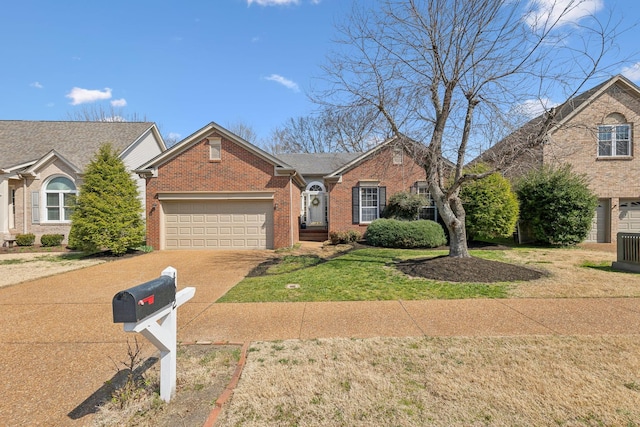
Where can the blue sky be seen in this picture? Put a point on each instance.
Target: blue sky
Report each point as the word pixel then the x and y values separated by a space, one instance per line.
pixel 181 64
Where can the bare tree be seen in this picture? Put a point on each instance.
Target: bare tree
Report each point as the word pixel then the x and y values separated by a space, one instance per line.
pixel 244 131
pixel 450 72
pixel 330 130
pixel 97 113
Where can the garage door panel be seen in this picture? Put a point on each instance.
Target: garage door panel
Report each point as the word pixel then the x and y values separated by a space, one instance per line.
pixel 218 225
pixel 629 216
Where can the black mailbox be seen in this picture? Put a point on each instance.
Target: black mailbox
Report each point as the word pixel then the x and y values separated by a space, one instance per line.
pixel 134 304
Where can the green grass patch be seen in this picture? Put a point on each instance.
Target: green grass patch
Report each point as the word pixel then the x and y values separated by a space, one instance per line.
pixel 359 275
pixel 598 265
pixel 12 261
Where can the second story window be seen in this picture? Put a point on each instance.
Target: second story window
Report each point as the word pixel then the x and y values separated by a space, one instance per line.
pixel 614 140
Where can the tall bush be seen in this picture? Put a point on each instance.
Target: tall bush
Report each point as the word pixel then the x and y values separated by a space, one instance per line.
pixel 108 212
pixel 557 204
pixel 491 206
pixel 404 206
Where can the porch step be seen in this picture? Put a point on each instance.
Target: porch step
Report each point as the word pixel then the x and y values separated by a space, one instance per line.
pixel 311 235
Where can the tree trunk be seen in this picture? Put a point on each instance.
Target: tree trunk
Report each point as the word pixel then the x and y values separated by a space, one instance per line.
pixel 458 241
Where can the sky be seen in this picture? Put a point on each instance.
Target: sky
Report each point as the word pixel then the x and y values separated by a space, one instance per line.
pixel 184 64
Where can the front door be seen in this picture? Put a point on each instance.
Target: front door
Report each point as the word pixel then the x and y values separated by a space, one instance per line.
pixel 315 204
pixel 316 209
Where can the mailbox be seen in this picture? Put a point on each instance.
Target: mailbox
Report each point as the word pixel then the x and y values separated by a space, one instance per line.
pixel 134 304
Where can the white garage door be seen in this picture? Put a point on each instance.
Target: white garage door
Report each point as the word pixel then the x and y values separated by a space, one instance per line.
pixel 629 216
pixel 598 226
pixel 218 224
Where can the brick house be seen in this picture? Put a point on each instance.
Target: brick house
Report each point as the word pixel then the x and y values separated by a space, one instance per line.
pixel 214 190
pixel 594 132
pixel 42 162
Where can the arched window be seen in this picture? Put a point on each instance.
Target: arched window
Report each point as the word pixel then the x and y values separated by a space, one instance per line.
pixel 59 192
pixel 315 186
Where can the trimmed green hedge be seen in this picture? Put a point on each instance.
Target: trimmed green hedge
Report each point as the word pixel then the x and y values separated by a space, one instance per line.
pixel 25 239
pixel 49 240
pixel 392 233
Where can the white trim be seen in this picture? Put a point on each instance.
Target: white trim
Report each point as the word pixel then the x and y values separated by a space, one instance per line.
pixel 44 212
pixel 218 195
pixel 319 183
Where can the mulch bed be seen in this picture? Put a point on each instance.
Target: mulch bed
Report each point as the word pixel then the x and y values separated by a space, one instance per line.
pixel 475 270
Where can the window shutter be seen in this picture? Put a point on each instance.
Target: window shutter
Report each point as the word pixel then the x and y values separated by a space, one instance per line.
pixel 35 207
pixel 355 205
pixel 382 200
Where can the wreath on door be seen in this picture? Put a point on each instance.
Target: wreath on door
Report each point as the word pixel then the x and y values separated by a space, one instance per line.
pixel 315 201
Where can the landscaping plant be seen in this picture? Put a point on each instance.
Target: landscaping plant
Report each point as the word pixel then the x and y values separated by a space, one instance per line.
pixel 27 239
pixel 404 206
pixel 392 233
pixel 50 240
pixel 108 213
pixel 557 204
pixel 490 204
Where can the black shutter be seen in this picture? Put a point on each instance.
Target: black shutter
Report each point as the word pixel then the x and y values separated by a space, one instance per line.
pixel 382 199
pixel 355 205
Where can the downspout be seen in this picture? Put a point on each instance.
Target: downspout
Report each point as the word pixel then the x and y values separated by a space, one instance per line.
pixel 291 231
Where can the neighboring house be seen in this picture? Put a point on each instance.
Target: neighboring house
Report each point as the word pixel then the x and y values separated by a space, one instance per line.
pixel 41 166
pixel 594 132
pixel 214 190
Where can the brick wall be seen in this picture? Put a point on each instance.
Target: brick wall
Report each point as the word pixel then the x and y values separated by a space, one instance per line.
pixel 577 143
pixel 379 166
pixel 238 170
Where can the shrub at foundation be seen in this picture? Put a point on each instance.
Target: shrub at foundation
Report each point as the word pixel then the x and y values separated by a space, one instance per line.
pixel 25 239
pixel 50 240
pixel 343 237
pixel 392 233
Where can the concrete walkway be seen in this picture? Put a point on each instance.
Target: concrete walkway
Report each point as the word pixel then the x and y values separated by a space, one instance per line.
pixel 58 344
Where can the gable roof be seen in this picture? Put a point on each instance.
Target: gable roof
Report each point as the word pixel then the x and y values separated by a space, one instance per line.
pixel 280 167
pixel 573 106
pixel 525 135
pixel 23 143
pixel 318 163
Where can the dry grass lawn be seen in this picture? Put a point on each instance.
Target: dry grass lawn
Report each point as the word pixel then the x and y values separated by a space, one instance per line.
pixel 568 279
pixel 530 381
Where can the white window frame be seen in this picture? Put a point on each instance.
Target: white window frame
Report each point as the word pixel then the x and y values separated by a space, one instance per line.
pixel 62 208
pixel 375 200
pixel 614 143
pixel 423 189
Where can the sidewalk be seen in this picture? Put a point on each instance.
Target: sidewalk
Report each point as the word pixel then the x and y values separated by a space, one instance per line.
pixel 480 317
pixel 59 342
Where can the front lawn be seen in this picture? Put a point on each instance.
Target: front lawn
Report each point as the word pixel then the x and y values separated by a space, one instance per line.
pixel 359 275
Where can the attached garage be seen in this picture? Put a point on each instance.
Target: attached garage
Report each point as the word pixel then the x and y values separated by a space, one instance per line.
pixel 629 216
pixel 218 224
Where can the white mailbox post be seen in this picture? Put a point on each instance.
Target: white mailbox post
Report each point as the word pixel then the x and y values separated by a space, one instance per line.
pixel 159 327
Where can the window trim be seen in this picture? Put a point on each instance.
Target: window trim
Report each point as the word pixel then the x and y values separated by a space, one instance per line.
pixel 614 141
pixel 44 206
pixel 376 203
pixel 215 149
pixel 356 201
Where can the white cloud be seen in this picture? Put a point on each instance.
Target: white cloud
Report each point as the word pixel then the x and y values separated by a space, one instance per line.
pixel 546 12
pixel 174 136
pixel 37 85
pixel 284 82
pixel 272 2
pixel 632 72
pixel 119 102
pixel 534 107
pixel 84 96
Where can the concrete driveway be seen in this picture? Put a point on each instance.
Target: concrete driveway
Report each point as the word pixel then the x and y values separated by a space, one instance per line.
pixel 58 343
